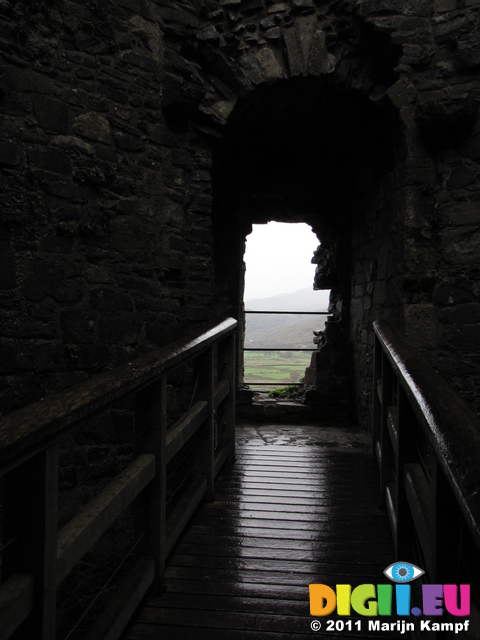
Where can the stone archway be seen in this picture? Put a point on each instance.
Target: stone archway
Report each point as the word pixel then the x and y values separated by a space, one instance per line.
pixel 309 150
pixel 225 50
pixel 295 100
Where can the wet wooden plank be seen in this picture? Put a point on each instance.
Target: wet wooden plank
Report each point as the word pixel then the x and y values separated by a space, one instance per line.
pixel 252 460
pixel 217 525
pixel 323 564
pixel 368 548
pixel 285 515
pixel 291 492
pixel 230 603
pixel 273 496
pixel 281 552
pixel 312 534
pixel 221 507
pixel 236 589
pixel 292 481
pixel 327 574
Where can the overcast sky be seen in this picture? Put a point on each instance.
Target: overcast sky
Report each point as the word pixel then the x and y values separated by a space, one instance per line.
pixel 278 259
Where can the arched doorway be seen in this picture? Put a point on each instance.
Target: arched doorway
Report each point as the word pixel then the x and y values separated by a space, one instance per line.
pixel 310 150
pixel 284 316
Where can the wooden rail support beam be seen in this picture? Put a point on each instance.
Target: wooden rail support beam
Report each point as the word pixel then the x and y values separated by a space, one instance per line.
pixel 31 514
pixel 152 438
pixel 206 391
pixel 227 372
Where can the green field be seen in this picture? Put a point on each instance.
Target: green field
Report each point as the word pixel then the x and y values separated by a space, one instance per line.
pixel 274 368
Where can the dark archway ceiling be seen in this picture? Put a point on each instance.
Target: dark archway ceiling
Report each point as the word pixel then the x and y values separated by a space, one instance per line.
pixel 306 143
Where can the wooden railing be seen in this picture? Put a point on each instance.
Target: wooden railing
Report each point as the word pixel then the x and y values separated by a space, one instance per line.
pixel 427 444
pixel 38 556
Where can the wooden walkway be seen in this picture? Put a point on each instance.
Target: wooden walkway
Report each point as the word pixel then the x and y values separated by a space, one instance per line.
pixel 298 507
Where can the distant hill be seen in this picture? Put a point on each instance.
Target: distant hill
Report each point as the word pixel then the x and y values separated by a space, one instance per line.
pixel 304 300
pixel 288 331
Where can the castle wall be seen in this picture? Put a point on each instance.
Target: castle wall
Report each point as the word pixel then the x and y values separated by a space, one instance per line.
pixel 116 225
pixel 105 227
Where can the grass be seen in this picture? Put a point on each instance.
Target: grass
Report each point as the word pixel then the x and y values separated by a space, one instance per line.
pixel 275 367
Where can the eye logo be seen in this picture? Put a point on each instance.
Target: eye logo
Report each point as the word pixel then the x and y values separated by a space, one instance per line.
pixel 402 572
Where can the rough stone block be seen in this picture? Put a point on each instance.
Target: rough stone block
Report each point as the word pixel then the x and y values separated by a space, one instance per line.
pixel 458 294
pixel 306 27
pixel 119 328
pixel 8 276
pixel 9 153
pixel 93 126
pixel 110 300
pixel 465 213
pixel 146 63
pixel 468 313
pixel 74 144
pixel 147 286
pixel 402 93
pixel 279 7
pixel 180 98
pixel 128 142
pixel 294 51
pixel 52 160
pixel 417 54
pixel 318 55
pixel 450 113
pixel 421 325
pixel 465 338
pixel 47 279
pixel 421 8
pixel 18 79
pixel 269 64
pixel 461 246
pixel 57 244
pixel 302 4
pixel 273 34
pixel 52 115
pixel 251 68
pixel 93 356
pixel 460 177
pixel 445 5
pixel 8 361
pixel 163 330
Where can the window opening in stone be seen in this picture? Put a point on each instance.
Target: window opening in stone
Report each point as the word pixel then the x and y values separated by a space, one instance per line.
pixel 279 278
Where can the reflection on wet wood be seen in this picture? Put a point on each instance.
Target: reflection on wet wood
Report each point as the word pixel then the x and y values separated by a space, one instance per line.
pixel 287 514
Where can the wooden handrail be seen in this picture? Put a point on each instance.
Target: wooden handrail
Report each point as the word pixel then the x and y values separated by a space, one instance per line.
pixel 24 432
pixel 29 465
pixel 453 430
pixel 427 444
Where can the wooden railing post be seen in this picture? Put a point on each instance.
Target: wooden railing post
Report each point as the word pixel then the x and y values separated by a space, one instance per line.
pixel 152 432
pixel 205 391
pixel 402 456
pixel 230 373
pixel 30 531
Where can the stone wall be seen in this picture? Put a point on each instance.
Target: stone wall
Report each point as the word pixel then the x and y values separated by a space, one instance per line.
pixel 141 139
pixel 436 96
pixel 105 228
